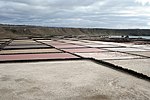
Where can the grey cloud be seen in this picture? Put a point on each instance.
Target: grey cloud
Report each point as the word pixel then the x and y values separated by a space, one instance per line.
pixel 76 13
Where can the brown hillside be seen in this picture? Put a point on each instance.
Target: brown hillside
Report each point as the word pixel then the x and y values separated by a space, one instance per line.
pixel 11 31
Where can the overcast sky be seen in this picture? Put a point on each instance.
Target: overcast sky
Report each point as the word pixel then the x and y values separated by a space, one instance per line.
pixel 77 13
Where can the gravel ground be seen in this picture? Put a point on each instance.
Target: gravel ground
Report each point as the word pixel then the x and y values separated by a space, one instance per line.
pixel 68 80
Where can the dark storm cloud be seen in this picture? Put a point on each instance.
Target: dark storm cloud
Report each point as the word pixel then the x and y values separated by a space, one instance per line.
pixel 77 13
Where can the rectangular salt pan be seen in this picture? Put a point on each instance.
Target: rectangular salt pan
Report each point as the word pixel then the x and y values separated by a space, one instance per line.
pixel 142 53
pixel 4 40
pixel 76 42
pixel 26 40
pixel 29 51
pixel 125 49
pixel 137 65
pixel 68 46
pixel 84 50
pixel 23 41
pixel 35 43
pixel 101 45
pixel 36 56
pixel 146 47
pixel 26 46
pixel 45 40
pixel 55 43
pixel 107 55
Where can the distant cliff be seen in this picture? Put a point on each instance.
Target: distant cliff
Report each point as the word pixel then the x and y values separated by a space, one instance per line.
pixel 11 31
